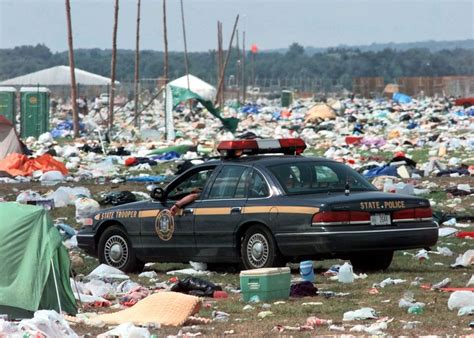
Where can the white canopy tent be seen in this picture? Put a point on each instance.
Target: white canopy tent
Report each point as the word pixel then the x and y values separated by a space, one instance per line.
pixel 196 85
pixel 58 76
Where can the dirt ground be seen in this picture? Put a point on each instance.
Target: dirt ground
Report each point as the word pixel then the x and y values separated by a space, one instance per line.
pixel 436 319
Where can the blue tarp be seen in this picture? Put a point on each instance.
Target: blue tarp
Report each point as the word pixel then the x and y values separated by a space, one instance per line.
pixel 401 98
pixel 386 170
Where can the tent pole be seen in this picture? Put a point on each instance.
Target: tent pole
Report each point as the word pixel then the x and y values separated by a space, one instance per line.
pixel 56 285
pixel 75 284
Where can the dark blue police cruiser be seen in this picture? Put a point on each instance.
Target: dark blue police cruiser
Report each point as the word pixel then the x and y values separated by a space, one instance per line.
pixel 261 209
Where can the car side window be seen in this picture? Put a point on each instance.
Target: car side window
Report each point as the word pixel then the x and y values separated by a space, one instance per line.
pixel 230 183
pixel 192 184
pixel 258 187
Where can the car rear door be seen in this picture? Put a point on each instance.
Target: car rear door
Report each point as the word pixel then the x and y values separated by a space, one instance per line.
pixel 219 213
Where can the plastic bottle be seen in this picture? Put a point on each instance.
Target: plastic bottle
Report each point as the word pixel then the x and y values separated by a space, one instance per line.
pixel 345 274
pixel 416 310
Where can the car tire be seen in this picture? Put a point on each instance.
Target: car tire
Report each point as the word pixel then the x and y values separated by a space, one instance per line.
pixel 372 261
pixel 116 250
pixel 258 249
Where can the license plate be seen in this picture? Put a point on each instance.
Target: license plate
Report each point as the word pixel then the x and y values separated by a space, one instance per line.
pixel 380 219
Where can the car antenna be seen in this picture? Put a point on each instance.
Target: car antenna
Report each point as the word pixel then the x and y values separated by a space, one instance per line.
pixel 347 190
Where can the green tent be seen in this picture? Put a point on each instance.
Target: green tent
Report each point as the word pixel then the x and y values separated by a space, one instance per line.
pixel 30 246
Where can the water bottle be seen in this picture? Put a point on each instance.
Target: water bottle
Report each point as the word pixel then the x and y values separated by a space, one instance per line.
pixel 416 310
pixel 345 274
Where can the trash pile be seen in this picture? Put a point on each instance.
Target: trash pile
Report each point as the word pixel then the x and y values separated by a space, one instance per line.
pixel 416 147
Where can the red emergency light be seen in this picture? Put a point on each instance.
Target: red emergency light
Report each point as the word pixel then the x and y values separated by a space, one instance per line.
pixel 236 148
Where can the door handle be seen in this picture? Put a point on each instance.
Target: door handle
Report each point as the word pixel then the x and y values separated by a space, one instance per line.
pixel 188 211
pixel 235 210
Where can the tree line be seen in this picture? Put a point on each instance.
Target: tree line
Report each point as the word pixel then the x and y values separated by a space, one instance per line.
pixel 333 66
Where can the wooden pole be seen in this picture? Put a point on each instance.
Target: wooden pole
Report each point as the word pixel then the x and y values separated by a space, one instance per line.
pixel 165 37
pixel 221 63
pixel 220 87
pixel 237 68
pixel 186 61
pixel 218 61
pixel 112 66
pixel 75 116
pixel 137 62
pixel 244 89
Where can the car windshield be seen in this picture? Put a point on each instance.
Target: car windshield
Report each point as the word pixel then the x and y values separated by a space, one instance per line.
pixel 318 177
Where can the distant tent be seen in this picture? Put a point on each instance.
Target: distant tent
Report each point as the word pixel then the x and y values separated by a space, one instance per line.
pixel 177 91
pixel 58 76
pixel 196 85
pixel 319 113
pixel 35 264
pixel 9 141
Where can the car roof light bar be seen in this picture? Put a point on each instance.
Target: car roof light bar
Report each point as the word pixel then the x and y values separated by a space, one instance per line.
pixel 237 148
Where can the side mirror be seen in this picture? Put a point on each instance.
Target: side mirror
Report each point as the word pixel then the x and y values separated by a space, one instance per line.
pixel 157 194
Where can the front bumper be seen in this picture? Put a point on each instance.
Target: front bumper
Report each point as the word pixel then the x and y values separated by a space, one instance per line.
pixel 339 240
pixel 86 241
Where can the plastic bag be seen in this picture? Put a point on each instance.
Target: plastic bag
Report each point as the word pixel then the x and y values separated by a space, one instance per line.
pixel 106 271
pixel 126 330
pixel 118 198
pixel 459 299
pixel 86 207
pixel 196 287
pixel 47 323
pixel 64 196
pixel 52 176
pixel 361 314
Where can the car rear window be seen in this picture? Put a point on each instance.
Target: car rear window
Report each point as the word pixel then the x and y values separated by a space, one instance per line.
pixel 318 177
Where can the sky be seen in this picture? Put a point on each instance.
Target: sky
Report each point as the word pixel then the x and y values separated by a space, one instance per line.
pixel 268 23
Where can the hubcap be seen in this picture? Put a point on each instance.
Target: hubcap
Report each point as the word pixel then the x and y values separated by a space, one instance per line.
pixel 257 250
pixel 116 251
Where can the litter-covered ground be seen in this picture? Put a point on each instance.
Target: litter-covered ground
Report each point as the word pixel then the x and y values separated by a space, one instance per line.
pixel 421 147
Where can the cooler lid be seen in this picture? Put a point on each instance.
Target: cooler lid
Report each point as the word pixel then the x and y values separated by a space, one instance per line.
pixel 265 271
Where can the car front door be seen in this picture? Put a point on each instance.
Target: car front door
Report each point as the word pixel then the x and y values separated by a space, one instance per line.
pixel 219 213
pixel 168 237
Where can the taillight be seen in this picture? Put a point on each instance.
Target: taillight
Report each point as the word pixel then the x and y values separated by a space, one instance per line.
pixel 404 214
pixel 423 213
pixel 412 214
pixel 347 217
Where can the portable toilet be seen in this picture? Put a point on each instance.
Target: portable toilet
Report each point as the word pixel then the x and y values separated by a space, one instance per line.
pixel 286 98
pixel 34 111
pixel 8 103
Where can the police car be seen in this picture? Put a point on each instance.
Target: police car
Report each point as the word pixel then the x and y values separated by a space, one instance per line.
pixel 259 209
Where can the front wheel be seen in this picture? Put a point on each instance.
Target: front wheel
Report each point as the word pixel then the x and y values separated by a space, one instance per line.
pixel 372 261
pixel 116 250
pixel 258 249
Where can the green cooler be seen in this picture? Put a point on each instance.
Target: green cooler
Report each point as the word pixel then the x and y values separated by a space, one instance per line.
pixel 8 103
pixel 267 283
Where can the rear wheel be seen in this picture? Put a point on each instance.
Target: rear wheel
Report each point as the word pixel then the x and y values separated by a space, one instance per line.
pixel 115 249
pixel 372 261
pixel 258 249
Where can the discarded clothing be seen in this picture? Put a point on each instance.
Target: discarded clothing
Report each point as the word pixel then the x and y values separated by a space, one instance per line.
pixel 303 289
